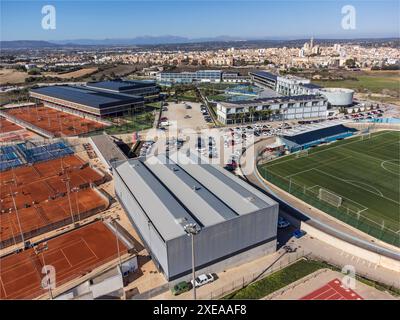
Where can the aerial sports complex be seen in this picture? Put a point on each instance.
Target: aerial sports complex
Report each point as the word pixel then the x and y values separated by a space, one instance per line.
pixel 354 180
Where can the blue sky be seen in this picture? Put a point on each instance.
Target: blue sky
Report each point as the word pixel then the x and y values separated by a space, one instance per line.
pixel 91 19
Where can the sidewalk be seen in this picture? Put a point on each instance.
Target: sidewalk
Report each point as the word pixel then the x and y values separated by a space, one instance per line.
pixel 320 278
pixel 338 257
pixel 235 278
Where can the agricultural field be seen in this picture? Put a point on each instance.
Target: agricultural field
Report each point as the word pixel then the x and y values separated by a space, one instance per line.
pixel 73 74
pixel 355 180
pixel 112 72
pixel 12 76
pixel 371 82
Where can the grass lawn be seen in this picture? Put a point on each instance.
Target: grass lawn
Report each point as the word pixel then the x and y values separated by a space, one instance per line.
pixel 374 83
pixel 364 173
pixel 156 104
pixel 189 95
pixel 217 97
pixel 277 280
pixel 292 273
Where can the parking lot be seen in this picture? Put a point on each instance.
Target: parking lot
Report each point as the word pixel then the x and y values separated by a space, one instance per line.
pixel 183 115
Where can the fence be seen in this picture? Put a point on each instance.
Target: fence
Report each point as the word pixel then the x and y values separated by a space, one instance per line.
pixel 346 213
pixel 295 284
pixel 27 125
pixel 151 293
pixel 284 261
pixel 373 277
pixel 38 230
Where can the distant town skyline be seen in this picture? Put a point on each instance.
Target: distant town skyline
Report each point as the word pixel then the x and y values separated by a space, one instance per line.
pixel 22 20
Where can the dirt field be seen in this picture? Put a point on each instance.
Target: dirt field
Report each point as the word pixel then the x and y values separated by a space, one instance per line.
pixel 117 71
pixel 41 199
pixel 74 74
pixel 58 122
pixel 73 255
pixel 12 76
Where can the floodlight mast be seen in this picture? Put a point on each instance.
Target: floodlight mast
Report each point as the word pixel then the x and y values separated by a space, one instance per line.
pixel 192 229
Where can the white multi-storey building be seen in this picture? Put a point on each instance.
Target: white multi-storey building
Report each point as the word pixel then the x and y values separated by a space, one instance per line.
pixel 288 108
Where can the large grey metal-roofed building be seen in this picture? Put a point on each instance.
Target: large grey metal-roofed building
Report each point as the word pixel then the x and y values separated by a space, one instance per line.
pixel 83 99
pixel 160 195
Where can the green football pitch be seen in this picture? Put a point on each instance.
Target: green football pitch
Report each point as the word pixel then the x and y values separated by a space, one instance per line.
pixel 356 180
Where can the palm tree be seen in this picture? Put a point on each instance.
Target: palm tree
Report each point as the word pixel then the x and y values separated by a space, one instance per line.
pixel 241 117
pixel 252 112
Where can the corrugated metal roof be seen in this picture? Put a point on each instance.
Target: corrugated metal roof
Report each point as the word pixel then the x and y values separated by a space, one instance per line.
pixel 241 197
pixel 89 97
pixel 108 149
pixel 170 190
pixel 159 204
pixel 191 192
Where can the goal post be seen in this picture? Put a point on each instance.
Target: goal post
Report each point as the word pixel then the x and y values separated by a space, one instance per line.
pixel 302 153
pixel 330 197
pixel 366 135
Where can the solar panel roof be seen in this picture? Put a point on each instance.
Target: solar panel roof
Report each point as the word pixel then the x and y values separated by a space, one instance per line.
pixel 85 96
pixel 120 85
pixel 265 74
pixel 311 136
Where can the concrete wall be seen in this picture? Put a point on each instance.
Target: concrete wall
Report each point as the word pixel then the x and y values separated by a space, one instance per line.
pixel 149 235
pixel 223 241
pixel 352 249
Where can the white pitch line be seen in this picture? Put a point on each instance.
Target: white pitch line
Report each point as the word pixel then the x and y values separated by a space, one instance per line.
pixel 356 186
pixel 318 166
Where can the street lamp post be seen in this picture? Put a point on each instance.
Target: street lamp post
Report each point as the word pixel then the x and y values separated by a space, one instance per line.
pixel 192 229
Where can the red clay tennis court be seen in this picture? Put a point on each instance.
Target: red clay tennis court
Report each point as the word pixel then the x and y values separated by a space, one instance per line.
pixel 57 122
pixel 73 255
pixel 10 131
pixel 39 194
pixel 333 290
pixel 48 216
pixel 45 180
pixel 7 126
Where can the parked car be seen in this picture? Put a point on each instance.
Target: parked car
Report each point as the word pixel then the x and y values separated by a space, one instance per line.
pixel 298 233
pixel 203 279
pixel 283 223
pixel 179 288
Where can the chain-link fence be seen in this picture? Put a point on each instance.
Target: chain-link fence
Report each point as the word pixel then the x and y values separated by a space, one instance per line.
pixel 346 213
pixel 241 282
pixel 373 278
